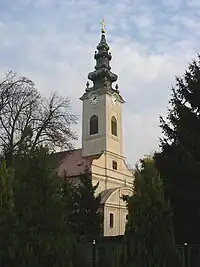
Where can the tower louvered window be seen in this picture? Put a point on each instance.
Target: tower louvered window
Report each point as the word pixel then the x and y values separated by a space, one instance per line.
pixel 93 125
pixel 114 126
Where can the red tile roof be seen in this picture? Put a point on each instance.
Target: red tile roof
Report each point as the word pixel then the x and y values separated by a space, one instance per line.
pixel 73 163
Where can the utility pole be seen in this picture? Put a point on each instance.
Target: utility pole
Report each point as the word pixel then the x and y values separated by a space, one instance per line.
pixel 186 254
pixel 93 253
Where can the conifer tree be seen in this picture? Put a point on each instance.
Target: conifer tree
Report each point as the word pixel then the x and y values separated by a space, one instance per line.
pixel 42 236
pixel 149 231
pixel 6 214
pixel 179 159
pixel 83 207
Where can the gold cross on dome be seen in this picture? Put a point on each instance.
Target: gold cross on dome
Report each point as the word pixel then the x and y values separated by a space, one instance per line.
pixel 103 26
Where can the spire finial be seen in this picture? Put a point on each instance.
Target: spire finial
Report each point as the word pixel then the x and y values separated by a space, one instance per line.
pixel 102 77
pixel 103 26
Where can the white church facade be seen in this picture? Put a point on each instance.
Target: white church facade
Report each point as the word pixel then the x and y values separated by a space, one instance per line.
pixel 102 143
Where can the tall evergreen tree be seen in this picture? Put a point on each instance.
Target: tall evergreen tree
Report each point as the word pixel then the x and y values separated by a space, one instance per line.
pixel 149 232
pixel 179 159
pixel 6 214
pixel 41 233
pixel 83 208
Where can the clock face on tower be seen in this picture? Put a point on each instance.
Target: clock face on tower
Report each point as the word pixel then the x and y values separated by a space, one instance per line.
pixel 94 99
pixel 114 100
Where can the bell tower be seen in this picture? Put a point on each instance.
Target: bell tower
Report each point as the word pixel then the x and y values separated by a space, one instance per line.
pixel 102 107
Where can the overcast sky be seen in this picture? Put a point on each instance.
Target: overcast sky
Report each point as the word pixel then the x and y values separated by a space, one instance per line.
pixel 53 43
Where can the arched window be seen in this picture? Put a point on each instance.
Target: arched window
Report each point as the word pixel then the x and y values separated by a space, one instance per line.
pixel 93 125
pixel 111 220
pixel 114 165
pixel 114 126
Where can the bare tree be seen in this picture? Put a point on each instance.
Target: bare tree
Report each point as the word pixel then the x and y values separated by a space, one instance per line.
pixel 28 120
pixel 8 87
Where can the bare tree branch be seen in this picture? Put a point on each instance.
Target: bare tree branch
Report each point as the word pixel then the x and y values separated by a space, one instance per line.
pixel 28 120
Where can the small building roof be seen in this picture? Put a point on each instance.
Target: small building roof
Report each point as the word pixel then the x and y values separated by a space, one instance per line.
pixel 106 194
pixel 72 162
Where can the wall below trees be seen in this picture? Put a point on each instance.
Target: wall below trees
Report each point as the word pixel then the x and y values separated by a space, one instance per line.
pixel 108 251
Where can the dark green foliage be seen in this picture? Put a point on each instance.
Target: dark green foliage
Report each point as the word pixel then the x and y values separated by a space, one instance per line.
pixel 83 208
pixel 179 159
pixel 149 232
pixel 6 214
pixel 40 233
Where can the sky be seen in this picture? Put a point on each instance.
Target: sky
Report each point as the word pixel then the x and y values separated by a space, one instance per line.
pixel 53 43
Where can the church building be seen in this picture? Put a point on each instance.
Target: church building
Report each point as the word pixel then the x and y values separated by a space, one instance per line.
pixel 102 142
